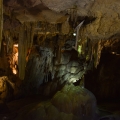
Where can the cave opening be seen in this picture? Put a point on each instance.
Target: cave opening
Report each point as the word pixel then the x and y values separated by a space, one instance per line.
pixel 107 71
pixel 103 81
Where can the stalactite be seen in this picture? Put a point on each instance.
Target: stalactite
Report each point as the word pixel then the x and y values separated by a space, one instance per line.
pixel 60 43
pixel 1 21
pixel 6 35
pixel 89 54
pixel 65 29
pixel 98 53
pixel 45 61
pixel 77 34
pixel 91 49
pixel 59 55
pixel 10 45
pixel 83 51
pixel 31 34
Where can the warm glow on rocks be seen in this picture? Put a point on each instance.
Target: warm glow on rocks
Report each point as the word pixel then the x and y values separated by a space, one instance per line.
pixel 14 71
pixel 15 59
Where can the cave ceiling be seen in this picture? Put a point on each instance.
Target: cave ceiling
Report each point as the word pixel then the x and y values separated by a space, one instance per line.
pixel 107 14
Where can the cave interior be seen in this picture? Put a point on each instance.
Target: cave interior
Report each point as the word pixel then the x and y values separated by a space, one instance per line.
pixel 59 60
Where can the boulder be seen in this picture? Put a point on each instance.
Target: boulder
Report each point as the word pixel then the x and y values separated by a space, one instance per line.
pixel 6 88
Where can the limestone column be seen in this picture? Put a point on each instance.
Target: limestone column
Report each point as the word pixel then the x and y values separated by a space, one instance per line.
pixel 21 53
pixel 1 21
pixel 25 43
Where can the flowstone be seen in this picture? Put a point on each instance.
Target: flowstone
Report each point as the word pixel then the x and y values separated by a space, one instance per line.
pixel 71 103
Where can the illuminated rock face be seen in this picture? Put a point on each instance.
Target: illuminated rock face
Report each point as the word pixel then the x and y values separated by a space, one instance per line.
pixel 70 68
pixel 39 69
pixel 52 69
pixel 71 103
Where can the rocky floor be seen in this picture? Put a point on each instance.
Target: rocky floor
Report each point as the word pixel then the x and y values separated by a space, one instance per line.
pixel 11 108
pixel 106 111
pixel 110 107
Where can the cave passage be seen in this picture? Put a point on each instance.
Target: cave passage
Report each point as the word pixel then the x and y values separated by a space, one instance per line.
pixel 59 60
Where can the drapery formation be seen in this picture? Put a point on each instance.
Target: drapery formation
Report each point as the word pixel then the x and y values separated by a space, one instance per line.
pixel 89 49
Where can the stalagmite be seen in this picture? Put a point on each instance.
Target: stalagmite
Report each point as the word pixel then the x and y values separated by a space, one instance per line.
pixel 1 21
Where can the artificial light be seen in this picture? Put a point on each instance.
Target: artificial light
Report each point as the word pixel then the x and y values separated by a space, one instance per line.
pixel 15 45
pixel 74 34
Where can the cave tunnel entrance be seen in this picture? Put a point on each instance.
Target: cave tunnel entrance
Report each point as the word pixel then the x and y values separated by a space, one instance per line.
pixel 104 81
